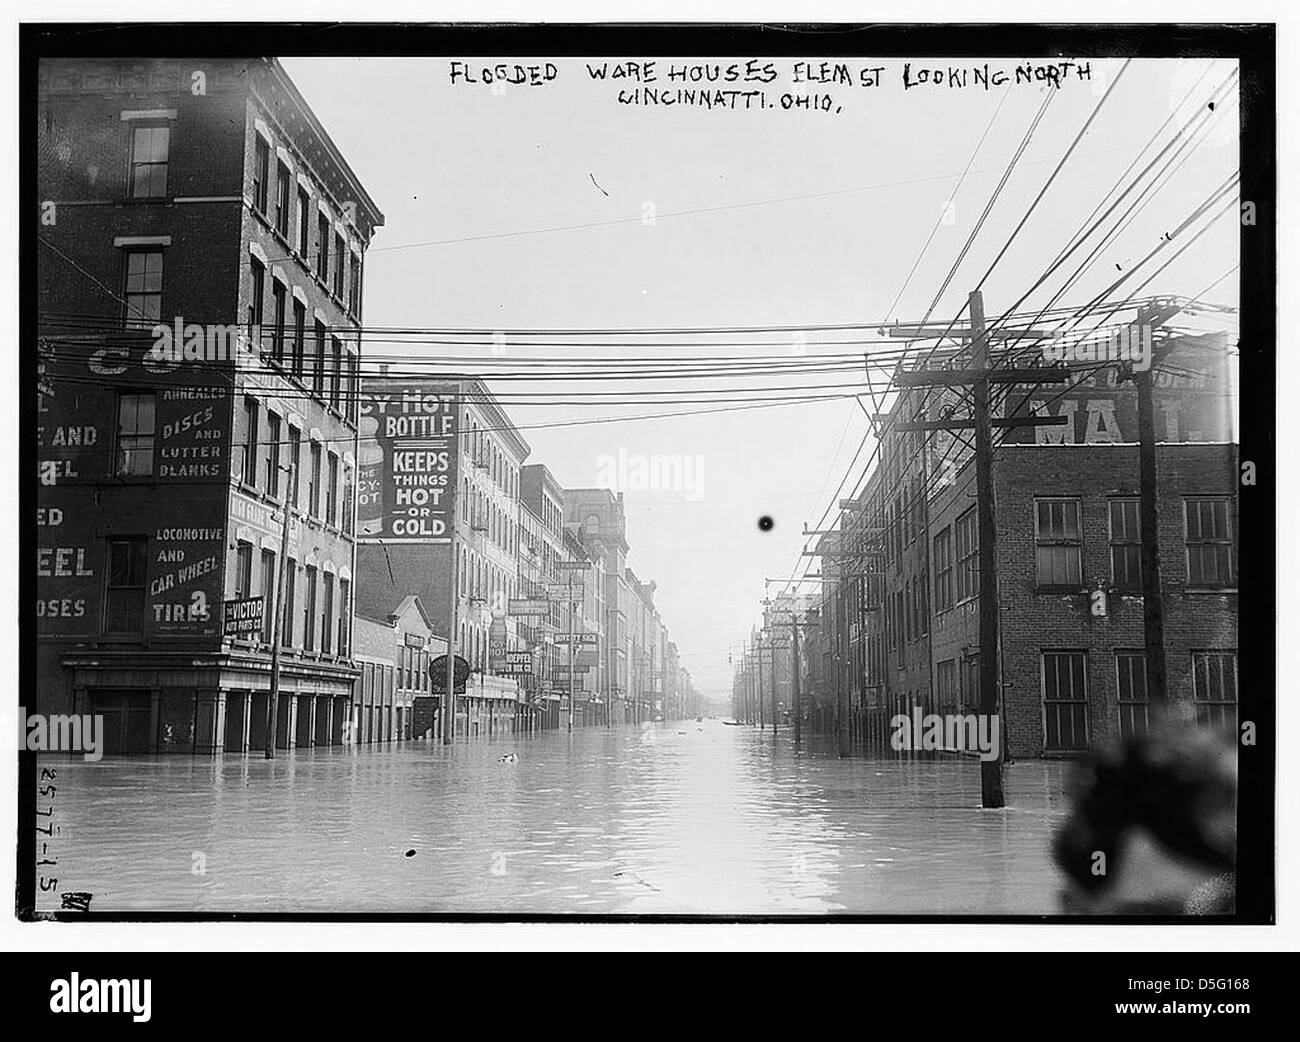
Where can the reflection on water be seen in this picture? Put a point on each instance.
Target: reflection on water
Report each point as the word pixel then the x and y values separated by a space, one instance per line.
pixel 669 818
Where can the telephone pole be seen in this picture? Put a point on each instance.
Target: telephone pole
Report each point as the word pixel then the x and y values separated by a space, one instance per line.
pixel 277 618
pixel 979 378
pixel 453 597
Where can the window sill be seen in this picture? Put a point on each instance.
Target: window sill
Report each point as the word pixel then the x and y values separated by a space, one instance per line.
pixel 1060 590
pixel 1209 590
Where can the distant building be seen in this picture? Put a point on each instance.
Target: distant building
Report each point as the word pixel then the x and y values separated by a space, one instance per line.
pixel 394 698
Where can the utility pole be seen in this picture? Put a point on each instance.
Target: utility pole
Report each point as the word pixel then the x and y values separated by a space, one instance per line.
pixel 979 378
pixel 453 597
pixel 277 618
pixel 573 702
pixel 991 770
pixel 794 677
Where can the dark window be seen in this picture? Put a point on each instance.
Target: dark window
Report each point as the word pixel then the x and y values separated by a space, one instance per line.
pixel 143 290
pixel 309 612
pixel 331 492
pixel 295 461
pixel 279 294
pixel 967 549
pixel 135 433
pixel 149 147
pixel 1065 700
pixel 1058 542
pixel 313 481
pixel 943 570
pixel 1208 533
pixel 248 471
pixel 290 581
pixel 1125 545
pixel 1214 688
pixel 339 257
pixel 345 613
pixel 125 593
pixel 256 301
pixel 318 370
pixel 304 223
pixel 261 171
pixel 352 394
pixel 323 247
pixel 268 594
pixel 282 199
pixel 1131 686
pixel 327 612
pixel 272 454
pixel 243 570
pixel 354 286
pixel 336 373
pixel 299 336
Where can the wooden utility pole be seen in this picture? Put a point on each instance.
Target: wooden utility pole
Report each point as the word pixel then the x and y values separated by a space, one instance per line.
pixel 573 702
pixel 277 619
pixel 991 771
pixel 979 378
pixel 794 677
pixel 453 597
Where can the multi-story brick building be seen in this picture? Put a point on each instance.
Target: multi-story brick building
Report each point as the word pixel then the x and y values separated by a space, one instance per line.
pixel 394 696
pixel 423 437
pixel 200 280
pixel 1072 667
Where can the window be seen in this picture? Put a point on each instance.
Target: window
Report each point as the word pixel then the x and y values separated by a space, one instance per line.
pixel 1208 533
pixel 149 146
pixel 309 612
pixel 345 613
pixel 322 247
pixel 143 291
pixel 332 492
pixel 1125 545
pixel 354 286
pixel 945 683
pixel 966 547
pixel 1131 685
pixel 349 494
pixel 268 594
pixel 943 570
pixel 1214 688
pixel 135 433
pixel 248 472
pixel 353 390
pixel 282 198
pixel 272 456
pixel 261 171
pixel 299 337
pixel 278 295
pixel 290 581
pixel 336 373
pixel 318 370
pixel 313 481
pixel 256 300
pixel 304 223
pixel 124 600
pixel 327 612
pixel 295 462
pixel 1065 700
pixel 338 265
pixel 1058 543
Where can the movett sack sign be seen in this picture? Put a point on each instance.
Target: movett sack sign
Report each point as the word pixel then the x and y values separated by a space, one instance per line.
pixel 406 463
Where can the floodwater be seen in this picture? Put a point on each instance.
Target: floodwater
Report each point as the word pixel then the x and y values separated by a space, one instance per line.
pixel 678 817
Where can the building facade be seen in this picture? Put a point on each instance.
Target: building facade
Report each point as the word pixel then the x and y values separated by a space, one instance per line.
pixel 200 311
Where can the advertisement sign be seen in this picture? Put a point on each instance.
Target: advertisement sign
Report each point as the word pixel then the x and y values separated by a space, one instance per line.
pixel 579 638
pixel 438 673
pixel 563 591
pixel 242 618
pixel 406 463
pixel 571 566
pixel 530 606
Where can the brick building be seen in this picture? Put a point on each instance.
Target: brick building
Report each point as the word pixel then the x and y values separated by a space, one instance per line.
pixel 200 275
pixel 904 579
pixel 394 699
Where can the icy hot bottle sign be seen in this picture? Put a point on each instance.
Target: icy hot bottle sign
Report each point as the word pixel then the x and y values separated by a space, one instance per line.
pixel 407 464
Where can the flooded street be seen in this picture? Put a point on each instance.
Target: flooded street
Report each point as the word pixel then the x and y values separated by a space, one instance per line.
pixel 669 818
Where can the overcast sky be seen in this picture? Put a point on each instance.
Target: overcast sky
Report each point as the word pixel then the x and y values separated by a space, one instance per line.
pixel 524 209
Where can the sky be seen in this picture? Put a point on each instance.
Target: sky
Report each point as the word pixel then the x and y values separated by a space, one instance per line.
pixel 559 207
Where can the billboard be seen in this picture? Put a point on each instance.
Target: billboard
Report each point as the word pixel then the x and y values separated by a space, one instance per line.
pixel 406 463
